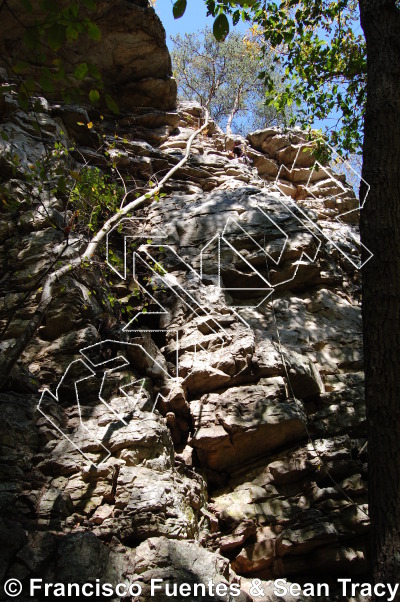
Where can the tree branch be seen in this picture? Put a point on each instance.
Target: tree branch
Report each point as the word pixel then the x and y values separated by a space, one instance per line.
pixel 13 354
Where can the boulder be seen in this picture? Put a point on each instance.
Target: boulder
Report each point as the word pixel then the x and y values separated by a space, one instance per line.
pixel 243 424
pixel 177 562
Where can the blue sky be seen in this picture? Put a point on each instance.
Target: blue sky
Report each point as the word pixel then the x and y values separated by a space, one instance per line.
pixel 193 20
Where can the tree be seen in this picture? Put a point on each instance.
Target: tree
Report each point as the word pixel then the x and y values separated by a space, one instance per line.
pixel 316 59
pixel 84 257
pixel 332 67
pixel 380 230
pixel 46 32
pixel 223 77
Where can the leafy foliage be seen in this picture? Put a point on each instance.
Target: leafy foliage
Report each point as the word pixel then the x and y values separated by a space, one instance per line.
pixel 223 77
pixel 95 196
pixel 179 8
pixel 325 63
pixel 322 51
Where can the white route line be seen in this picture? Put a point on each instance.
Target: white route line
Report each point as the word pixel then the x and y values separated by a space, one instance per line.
pixel 172 283
pixel 56 398
pixel 196 306
pixel 143 235
pixel 218 238
pixel 134 398
pixel 230 219
pixel 337 182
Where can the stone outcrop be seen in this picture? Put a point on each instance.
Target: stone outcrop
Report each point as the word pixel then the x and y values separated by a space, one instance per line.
pixel 229 444
pixel 129 32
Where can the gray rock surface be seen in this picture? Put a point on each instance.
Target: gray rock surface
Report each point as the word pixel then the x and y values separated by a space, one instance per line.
pixel 130 33
pixel 230 443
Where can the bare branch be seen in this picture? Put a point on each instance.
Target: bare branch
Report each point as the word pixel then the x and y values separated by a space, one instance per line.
pixel 13 354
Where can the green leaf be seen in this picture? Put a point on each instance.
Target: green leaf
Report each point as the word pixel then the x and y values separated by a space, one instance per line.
pixel 56 35
pixel 23 101
pixel 93 31
pixel 76 175
pixel 94 71
pixel 28 86
pixel 81 71
pixel 3 135
pixel 20 67
pixel 221 27
pixel 45 81
pixel 179 8
pixel 111 104
pixel 74 8
pixel 37 107
pixel 94 96
pixel 71 33
pixel 245 3
pixel 236 17
pixel 62 184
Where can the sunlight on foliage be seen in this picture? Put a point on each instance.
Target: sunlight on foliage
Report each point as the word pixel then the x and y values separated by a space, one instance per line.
pixel 95 196
pixel 321 49
pixel 223 77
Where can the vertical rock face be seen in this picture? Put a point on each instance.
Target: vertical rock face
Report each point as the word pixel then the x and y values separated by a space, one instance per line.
pixel 131 56
pixel 209 422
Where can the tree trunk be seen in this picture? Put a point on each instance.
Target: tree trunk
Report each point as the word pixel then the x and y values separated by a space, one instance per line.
pixel 235 108
pixel 380 232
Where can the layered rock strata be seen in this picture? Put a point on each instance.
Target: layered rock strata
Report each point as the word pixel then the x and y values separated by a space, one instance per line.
pixel 230 443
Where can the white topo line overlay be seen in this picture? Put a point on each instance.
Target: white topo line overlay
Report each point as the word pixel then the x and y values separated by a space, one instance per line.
pixel 289 202
pixel 192 298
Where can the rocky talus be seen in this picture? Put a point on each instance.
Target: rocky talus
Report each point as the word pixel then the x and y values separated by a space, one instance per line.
pixel 204 415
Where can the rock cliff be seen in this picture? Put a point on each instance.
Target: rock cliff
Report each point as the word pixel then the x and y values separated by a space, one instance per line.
pixel 191 407
pixel 130 33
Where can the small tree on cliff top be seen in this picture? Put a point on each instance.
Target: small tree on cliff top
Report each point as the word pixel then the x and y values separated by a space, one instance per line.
pixel 223 77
